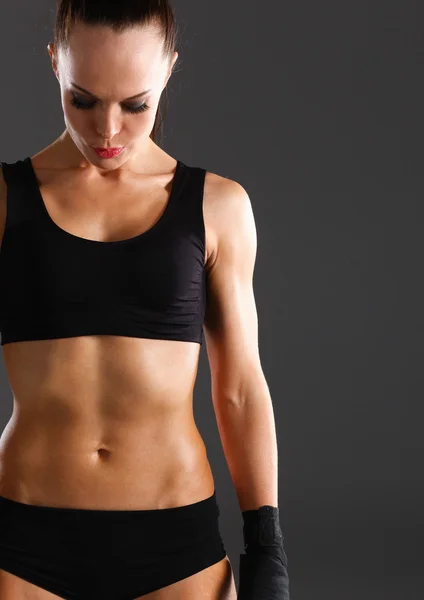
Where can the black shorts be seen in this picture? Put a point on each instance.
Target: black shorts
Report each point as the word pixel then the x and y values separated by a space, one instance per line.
pixel 86 554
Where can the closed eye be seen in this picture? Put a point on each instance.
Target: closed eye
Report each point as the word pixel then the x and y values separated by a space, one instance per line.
pixel 88 105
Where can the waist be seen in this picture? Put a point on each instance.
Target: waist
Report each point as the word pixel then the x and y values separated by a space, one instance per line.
pixel 142 468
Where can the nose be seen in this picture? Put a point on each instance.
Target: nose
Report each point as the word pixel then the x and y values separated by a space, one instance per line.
pixel 108 124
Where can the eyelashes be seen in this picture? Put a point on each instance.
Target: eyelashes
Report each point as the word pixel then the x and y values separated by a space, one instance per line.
pixel 88 105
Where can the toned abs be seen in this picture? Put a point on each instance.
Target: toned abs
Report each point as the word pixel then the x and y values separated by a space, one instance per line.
pixel 102 421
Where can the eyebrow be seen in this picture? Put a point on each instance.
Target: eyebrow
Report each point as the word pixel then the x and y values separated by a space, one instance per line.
pixel 94 96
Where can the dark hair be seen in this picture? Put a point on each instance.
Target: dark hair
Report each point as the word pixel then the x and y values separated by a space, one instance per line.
pixel 119 16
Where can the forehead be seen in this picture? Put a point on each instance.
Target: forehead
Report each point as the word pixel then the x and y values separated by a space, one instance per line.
pixel 98 58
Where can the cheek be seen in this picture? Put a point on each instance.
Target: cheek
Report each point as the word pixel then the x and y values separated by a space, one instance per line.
pixel 76 119
pixel 140 122
pixel 138 125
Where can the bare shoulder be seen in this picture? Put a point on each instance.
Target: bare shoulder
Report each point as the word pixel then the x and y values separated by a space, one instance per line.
pixel 225 202
pixel 3 196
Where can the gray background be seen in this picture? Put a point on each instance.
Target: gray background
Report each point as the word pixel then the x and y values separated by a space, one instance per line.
pixel 316 109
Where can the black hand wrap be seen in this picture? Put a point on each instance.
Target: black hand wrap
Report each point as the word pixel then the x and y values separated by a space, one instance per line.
pixel 263 569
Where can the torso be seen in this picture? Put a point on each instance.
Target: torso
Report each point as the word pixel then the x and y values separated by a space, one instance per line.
pixel 105 422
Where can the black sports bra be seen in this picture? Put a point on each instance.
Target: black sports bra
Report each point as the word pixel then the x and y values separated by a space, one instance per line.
pixel 54 284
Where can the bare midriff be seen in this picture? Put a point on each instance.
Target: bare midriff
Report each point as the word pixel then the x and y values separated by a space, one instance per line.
pixel 103 422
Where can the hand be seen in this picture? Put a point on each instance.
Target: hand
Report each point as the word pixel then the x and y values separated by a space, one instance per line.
pixel 263 568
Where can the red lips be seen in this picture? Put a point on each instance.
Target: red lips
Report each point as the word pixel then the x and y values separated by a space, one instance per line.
pixel 108 152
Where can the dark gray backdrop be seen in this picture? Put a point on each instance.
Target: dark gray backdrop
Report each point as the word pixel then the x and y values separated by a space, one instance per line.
pixel 316 109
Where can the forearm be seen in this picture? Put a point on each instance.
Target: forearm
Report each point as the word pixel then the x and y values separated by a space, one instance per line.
pixel 248 435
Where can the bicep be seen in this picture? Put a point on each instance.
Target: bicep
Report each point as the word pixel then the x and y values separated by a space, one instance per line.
pixel 231 323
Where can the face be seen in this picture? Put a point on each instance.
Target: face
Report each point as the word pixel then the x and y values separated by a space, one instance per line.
pixel 111 68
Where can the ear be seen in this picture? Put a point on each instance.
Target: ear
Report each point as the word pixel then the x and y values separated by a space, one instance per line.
pixel 51 49
pixel 171 69
pixel 174 60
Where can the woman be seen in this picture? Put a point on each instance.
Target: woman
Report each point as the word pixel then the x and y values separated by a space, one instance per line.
pixel 109 269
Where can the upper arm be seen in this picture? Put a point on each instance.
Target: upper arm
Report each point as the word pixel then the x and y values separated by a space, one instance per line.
pixel 231 323
pixel 3 197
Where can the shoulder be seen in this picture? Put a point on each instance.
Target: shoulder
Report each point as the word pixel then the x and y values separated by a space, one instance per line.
pixel 227 211
pixel 3 196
